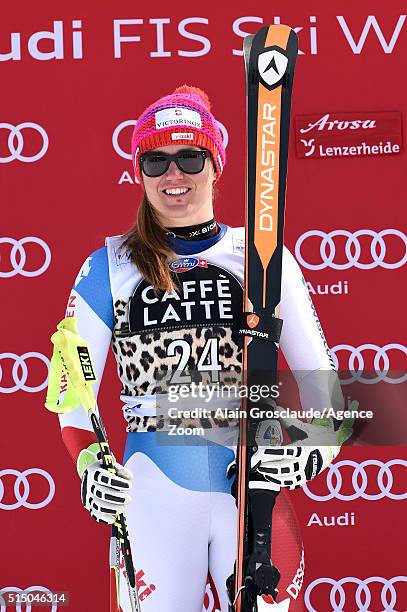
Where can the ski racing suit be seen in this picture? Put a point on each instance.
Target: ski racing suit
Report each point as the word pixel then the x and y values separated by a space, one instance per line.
pixel 182 517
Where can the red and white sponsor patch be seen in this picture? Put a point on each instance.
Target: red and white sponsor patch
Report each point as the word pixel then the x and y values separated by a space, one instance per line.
pixel 355 134
pixel 182 136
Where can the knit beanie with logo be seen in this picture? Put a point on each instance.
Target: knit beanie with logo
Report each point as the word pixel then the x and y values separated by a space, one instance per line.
pixel 183 118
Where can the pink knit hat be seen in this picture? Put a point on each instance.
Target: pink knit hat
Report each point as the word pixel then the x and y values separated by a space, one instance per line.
pixel 183 117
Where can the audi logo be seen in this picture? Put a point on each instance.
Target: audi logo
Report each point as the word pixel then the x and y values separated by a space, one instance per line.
pixel 19 372
pixel 132 123
pixel 15 142
pixel 18 248
pixel 334 481
pixel 22 489
pixel 338 598
pixel 381 363
pixel 353 249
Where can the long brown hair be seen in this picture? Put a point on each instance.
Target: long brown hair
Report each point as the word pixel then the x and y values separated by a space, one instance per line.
pixel 149 248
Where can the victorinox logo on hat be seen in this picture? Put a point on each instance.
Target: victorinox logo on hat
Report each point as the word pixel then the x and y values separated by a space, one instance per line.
pixel 177 116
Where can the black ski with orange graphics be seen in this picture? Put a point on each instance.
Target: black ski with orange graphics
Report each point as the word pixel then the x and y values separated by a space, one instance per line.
pixel 270 59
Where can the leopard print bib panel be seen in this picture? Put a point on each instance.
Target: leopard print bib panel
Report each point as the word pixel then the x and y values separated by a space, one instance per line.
pixel 189 336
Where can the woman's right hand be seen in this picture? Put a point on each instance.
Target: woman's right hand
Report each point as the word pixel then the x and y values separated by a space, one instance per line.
pixel 104 494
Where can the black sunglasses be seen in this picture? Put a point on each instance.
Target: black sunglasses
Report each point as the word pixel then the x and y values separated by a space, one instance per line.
pixel 187 160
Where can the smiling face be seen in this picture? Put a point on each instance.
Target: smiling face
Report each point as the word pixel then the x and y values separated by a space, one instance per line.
pixel 179 198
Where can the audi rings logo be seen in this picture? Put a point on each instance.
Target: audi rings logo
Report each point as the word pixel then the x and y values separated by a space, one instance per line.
pixel 352 249
pixel 15 142
pixel 16 378
pixel 381 363
pixel 131 123
pixel 18 257
pixel 383 481
pixel 22 489
pixel 362 597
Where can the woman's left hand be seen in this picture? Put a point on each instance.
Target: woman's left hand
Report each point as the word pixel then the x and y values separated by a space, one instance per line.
pixel 293 465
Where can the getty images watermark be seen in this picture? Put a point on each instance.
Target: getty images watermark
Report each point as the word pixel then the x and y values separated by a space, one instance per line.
pixel 214 405
pixel 261 404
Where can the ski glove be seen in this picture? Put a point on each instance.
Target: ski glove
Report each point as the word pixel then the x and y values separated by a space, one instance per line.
pixel 292 466
pixel 270 432
pixel 104 494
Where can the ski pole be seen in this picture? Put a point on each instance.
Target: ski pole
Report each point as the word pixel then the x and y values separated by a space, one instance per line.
pixel 71 355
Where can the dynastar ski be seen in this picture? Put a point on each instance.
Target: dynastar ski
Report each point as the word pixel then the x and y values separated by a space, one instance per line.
pixel 269 59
